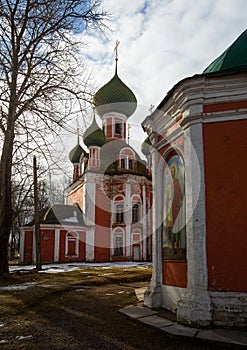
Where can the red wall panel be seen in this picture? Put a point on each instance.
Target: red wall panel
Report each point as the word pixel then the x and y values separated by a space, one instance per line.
pixel 225 150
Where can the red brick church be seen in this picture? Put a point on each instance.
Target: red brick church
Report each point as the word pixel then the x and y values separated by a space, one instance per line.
pixel 107 216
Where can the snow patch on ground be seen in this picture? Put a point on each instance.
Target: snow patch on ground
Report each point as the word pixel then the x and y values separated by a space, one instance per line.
pixel 68 267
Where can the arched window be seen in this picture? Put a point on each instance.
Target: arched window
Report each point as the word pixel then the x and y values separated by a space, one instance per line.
pixel 127 159
pixel 135 213
pixel 71 244
pixel 119 213
pixel 118 244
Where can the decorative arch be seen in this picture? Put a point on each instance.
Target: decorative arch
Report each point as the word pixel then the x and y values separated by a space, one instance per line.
pixel 126 159
pixel 72 244
pixel 174 232
pixel 118 201
pixel 118 241
pixel 136 208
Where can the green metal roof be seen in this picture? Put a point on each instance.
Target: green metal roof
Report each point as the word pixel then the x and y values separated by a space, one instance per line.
pixel 145 146
pixel 115 96
pixel 75 154
pixel 94 136
pixel 232 60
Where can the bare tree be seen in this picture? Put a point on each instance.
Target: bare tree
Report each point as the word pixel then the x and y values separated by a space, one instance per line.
pixel 39 63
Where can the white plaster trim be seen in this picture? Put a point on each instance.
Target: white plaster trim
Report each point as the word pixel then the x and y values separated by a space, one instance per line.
pixel 76 239
pixel 153 295
pixel 57 245
pixel 170 296
pixel 194 308
pixel 127 217
pixel 90 243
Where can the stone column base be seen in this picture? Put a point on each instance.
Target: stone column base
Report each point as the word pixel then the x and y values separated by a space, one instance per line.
pixel 153 296
pixel 195 309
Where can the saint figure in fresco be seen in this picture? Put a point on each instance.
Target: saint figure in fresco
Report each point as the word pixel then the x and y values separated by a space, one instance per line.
pixel 173 205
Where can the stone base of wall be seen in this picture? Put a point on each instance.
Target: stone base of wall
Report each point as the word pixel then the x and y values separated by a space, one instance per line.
pixel 229 309
pixel 194 309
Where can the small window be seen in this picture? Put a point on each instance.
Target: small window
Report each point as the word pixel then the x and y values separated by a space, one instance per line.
pixel 119 213
pixel 118 245
pixel 122 163
pixel 135 213
pixel 118 128
pixel 131 164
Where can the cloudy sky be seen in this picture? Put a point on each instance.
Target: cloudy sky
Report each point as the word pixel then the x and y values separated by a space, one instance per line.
pixel 163 41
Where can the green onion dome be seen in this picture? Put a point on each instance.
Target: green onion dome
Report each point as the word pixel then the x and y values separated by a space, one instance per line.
pixel 145 147
pixel 115 96
pixel 94 136
pixel 75 154
pixel 232 60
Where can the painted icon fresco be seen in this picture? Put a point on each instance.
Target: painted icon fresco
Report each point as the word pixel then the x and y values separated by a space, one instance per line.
pixel 174 233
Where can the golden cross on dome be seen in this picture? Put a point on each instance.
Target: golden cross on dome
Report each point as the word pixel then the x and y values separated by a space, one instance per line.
pixel 116 49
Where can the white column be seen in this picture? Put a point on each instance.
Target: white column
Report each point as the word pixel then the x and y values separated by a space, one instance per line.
pixel 127 219
pixel 90 243
pixel 90 201
pixel 57 245
pixel 153 295
pixel 144 223
pixel 195 307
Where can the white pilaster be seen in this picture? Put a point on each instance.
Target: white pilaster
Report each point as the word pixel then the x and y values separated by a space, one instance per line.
pixel 57 245
pixel 144 223
pixel 90 201
pixel 127 219
pixel 195 307
pixel 90 243
pixel 153 295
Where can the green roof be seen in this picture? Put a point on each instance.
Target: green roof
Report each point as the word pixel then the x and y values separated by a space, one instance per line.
pixel 232 60
pixel 145 146
pixel 75 154
pixel 94 136
pixel 115 96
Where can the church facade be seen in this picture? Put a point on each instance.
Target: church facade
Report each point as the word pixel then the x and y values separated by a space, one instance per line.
pixel 198 136
pixel 111 187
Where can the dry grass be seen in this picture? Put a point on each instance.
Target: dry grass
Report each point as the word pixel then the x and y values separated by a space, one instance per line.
pixel 79 310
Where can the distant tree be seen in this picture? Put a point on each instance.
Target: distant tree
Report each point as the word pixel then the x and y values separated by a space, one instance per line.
pixel 39 85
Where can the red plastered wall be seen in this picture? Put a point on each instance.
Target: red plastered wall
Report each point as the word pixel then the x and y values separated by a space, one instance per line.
pixel 28 246
pixel 102 228
pixel 47 240
pixel 225 153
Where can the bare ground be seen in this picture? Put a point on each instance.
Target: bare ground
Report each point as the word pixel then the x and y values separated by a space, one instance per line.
pixel 79 310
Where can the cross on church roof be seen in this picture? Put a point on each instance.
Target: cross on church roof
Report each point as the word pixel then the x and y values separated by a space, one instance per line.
pixel 116 52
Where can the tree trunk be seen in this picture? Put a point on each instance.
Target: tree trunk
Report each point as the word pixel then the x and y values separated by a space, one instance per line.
pixel 5 192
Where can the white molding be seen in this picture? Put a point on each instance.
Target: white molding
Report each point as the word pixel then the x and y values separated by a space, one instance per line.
pixel 194 307
pixel 57 245
pixel 153 295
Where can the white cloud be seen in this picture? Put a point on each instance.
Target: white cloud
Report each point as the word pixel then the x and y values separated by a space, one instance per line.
pixel 162 42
